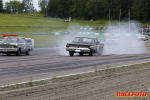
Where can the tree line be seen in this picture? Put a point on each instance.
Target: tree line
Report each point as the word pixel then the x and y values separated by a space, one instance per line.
pixel 99 9
pixel 14 6
pixel 83 9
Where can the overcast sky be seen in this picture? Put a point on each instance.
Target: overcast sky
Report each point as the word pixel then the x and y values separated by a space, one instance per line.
pixel 35 3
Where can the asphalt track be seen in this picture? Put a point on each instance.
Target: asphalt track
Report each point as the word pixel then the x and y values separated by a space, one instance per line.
pixel 50 62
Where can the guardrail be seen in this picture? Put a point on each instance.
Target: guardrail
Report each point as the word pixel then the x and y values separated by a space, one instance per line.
pixel 106 34
pixel 79 33
pixel 48 33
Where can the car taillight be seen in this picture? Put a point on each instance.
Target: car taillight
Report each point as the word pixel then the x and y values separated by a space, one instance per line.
pixel 67 45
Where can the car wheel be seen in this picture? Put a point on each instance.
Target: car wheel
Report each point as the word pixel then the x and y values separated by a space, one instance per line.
pixel 91 53
pixel 81 54
pixel 28 52
pixel 71 53
pixel 18 52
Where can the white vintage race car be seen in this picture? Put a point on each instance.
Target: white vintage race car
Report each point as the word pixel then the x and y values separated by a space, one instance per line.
pixel 142 38
pixel 16 45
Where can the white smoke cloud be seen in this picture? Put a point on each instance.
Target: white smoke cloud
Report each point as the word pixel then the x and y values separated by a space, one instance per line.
pixel 127 44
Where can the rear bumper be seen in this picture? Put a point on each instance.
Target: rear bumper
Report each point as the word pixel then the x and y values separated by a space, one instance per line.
pixel 8 50
pixel 78 50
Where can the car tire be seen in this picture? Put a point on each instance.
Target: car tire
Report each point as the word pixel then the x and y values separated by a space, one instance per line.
pixel 81 54
pixel 28 52
pixel 71 53
pixel 91 53
pixel 18 52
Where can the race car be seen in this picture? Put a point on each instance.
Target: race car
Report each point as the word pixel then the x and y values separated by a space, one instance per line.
pixel 112 40
pixel 15 45
pixel 66 32
pixel 85 45
pixel 142 38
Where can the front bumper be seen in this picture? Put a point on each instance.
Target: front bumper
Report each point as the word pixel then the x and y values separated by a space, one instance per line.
pixel 78 50
pixel 10 50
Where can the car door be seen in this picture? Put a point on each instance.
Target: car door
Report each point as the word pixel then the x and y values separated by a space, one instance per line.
pixel 20 44
pixel 96 44
pixel 24 45
pixel 29 43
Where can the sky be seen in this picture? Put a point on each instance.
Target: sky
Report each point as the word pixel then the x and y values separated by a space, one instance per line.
pixel 35 3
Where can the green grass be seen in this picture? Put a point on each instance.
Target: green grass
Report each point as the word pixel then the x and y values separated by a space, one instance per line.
pixel 29 23
pixel 45 40
pixel 26 22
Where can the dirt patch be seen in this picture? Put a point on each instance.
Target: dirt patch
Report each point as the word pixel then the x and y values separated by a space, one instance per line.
pixel 98 85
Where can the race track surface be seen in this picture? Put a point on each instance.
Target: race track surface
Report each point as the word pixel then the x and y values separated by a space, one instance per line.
pixel 50 62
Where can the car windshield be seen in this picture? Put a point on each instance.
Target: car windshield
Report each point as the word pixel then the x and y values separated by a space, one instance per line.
pixel 82 40
pixel 9 39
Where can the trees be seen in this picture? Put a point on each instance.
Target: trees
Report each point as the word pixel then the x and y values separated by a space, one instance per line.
pixel 85 9
pixel 43 5
pixel 27 6
pixel 77 9
pixel 63 7
pixel 13 6
pixel 52 8
pixel 1 6
pixel 93 7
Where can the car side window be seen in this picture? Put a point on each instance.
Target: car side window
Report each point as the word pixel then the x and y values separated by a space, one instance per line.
pixel 18 40
pixel 22 40
pixel 96 41
pixel 28 41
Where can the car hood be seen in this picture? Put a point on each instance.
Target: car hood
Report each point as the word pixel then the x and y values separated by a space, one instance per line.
pixel 7 43
pixel 81 43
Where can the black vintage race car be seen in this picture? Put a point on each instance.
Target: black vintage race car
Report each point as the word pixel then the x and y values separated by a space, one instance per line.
pixel 85 45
